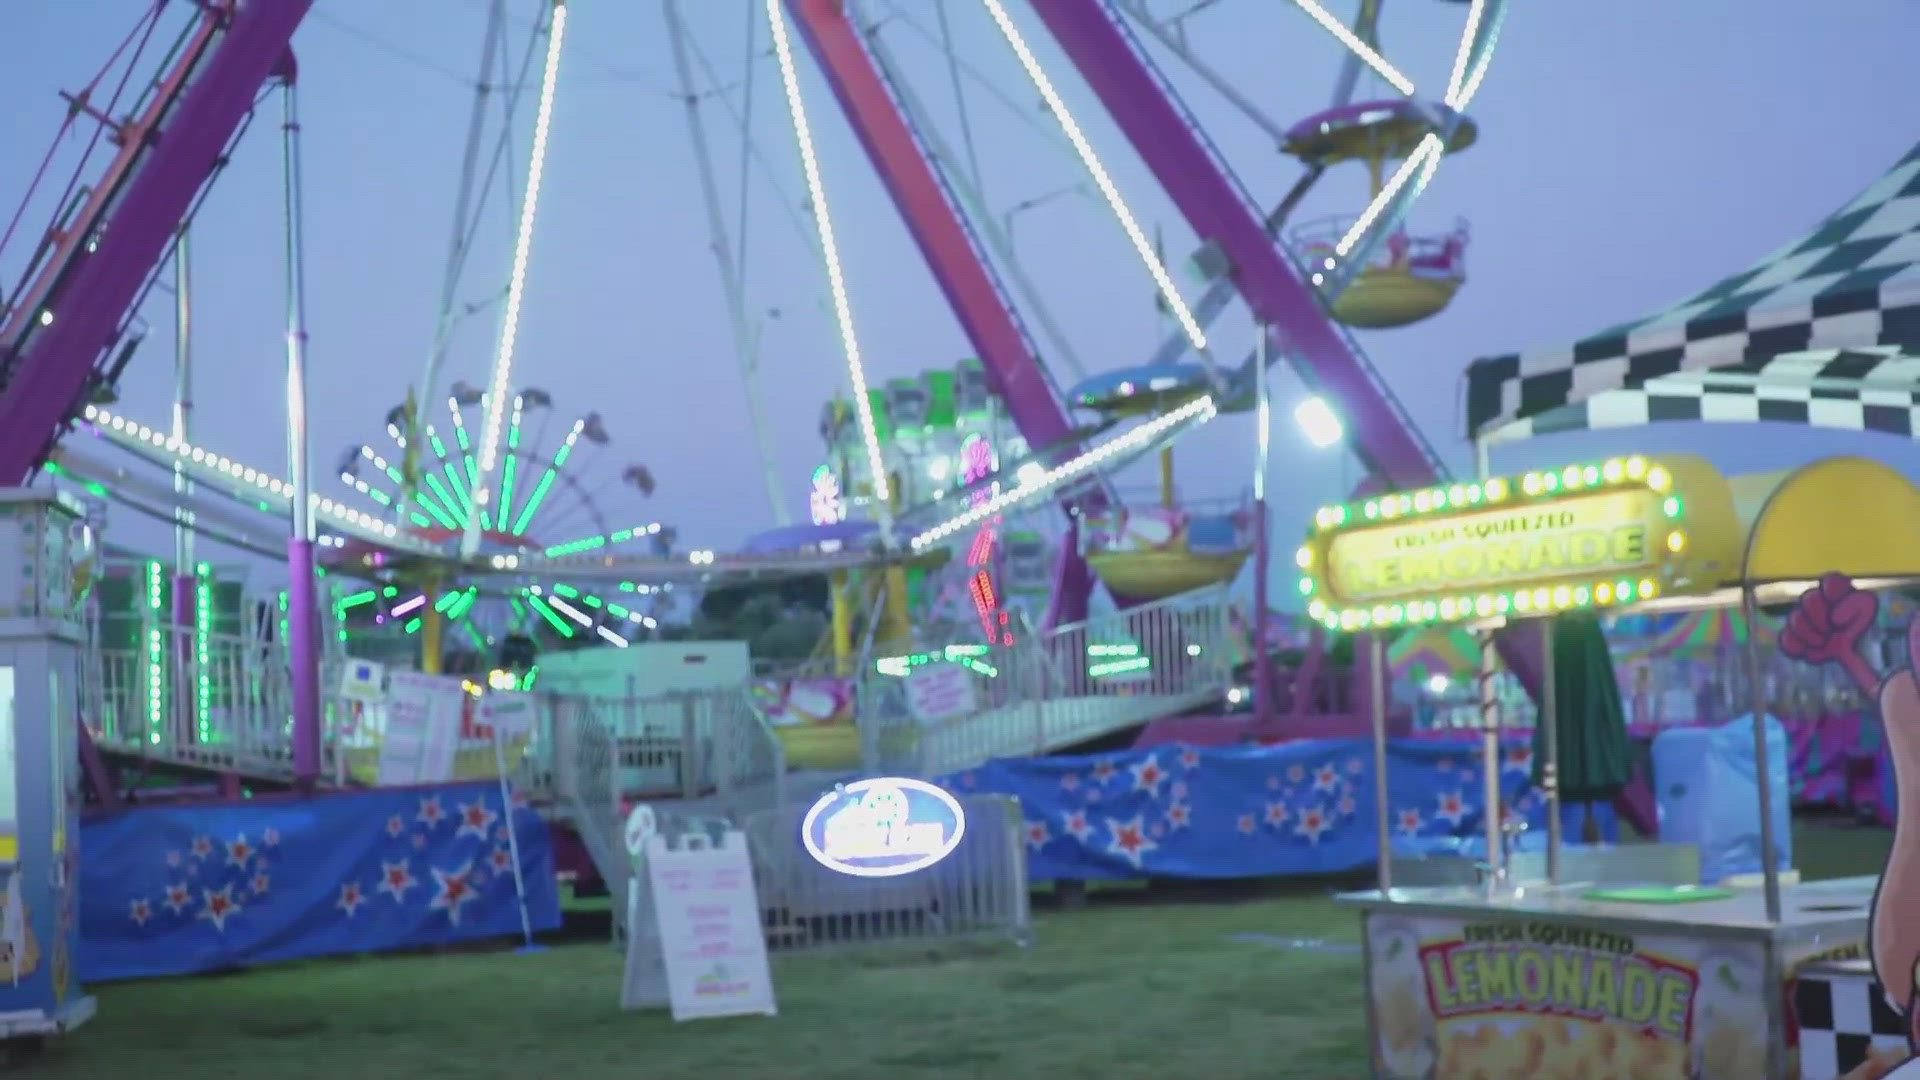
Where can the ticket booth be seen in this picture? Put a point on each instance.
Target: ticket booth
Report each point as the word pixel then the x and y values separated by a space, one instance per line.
pixel 46 550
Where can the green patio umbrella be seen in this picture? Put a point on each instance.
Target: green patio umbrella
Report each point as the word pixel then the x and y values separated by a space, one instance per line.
pixel 1596 756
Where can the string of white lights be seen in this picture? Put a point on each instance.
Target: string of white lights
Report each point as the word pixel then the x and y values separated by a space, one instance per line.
pixel 1101 178
pixel 830 254
pixel 242 478
pixel 1425 159
pixel 1367 54
pixel 1200 410
pixel 1457 79
pixel 1471 84
pixel 1430 147
pixel 517 281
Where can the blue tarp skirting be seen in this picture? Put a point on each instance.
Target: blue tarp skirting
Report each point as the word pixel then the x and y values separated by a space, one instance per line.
pixel 1299 808
pixel 174 890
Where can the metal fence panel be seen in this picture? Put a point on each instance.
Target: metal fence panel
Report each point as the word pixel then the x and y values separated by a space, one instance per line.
pixel 980 891
pixel 1074 683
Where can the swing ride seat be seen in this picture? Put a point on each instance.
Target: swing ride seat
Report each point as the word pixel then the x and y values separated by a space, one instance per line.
pixel 1140 391
pixel 1155 552
pixel 1375 131
pixel 1408 278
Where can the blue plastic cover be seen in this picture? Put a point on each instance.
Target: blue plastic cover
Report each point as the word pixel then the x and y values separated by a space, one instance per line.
pixel 1213 534
pixel 1707 793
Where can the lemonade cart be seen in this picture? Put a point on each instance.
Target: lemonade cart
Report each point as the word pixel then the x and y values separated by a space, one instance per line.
pixel 1581 971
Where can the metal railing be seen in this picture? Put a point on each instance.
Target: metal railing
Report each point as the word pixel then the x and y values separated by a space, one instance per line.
pixel 585 752
pixel 684 745
pixel 1435 254
pixel 1072 684
pixel 206 700
pixel 592 755
pixel 980 891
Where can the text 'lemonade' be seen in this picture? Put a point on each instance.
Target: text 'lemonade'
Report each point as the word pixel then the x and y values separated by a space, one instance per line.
pixel 1561 970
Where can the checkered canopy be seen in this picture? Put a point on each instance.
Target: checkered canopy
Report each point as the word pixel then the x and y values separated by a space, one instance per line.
pixel 1824 332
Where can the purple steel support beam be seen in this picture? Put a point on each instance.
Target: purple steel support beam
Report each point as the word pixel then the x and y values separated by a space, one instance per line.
pixel 957 267
pixel 53 368
pixel 1378 432
pixel 936 226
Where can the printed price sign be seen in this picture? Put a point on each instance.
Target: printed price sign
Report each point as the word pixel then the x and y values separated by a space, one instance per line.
pixel 707 915
pixel 937 692
pixel 422 728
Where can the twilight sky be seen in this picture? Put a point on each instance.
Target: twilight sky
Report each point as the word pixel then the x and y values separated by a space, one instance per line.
pixel 1631 153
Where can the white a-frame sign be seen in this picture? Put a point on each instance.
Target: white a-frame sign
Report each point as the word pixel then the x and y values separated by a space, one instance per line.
pixel 694 938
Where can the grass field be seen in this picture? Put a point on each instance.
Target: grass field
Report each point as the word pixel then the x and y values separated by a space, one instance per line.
pixel 1144 983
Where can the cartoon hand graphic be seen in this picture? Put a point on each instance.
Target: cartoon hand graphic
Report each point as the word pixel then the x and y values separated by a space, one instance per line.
pixel 1826 627
pixel 1878 1066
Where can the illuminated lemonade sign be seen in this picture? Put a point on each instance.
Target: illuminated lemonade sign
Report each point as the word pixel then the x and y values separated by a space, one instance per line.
pixel 1582 536
pixel 883 827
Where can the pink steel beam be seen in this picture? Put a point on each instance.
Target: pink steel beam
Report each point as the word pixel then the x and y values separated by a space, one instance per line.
pixel 182 147
pixel 935 224
pixel 1381 433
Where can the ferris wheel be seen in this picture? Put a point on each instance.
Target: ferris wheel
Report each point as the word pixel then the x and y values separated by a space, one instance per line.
pixel 563 492
pixel 1362 268
pixel 1300 289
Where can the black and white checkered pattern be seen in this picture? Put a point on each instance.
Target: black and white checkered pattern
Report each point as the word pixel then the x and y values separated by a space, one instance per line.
pixel 1824 332
pixel 1843 1017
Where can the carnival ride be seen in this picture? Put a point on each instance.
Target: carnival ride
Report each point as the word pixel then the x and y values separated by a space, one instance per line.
pixel 73 326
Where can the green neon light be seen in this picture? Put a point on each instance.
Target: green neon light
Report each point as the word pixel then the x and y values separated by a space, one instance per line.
pixel 539 494
pixel 506 486
pixel 445 519
pixel 564 627
pixel 575 547
pixel 354 600
pixel 467 600
pixel 446 601
pixel 567 591
pixel 413 624
pixel 390 591
pixel 440 490
pixel 1117 667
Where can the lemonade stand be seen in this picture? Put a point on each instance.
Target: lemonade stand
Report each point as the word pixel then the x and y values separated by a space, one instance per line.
pixel 1589 966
